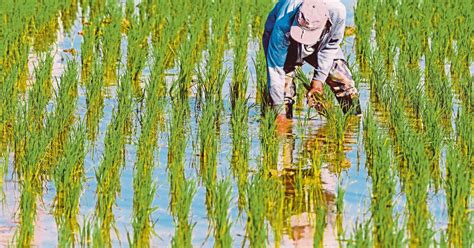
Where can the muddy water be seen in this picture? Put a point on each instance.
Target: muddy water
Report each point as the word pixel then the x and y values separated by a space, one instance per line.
pixel 353 176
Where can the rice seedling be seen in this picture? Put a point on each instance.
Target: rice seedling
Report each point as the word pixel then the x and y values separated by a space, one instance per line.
pixel 110 39
pixel 144 185
pixel 256 229
pixel 58 123
pixel 380 163
pixel 69 177
pixel 340 213
pixel 458 190
pixel 221 222
pixel 239 77
pixel 268 142
pixel 183 226
pixel 110 168
pixel 137 50
pixel 94 100
pixel 240 148
pixel 89 46
pixel 28 166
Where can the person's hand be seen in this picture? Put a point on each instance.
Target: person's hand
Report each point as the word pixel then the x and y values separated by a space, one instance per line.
pixel 315 94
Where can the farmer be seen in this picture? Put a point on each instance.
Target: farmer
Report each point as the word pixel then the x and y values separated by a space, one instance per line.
pixel 311 31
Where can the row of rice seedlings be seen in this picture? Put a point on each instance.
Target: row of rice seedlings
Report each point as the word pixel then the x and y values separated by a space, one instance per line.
pixel 427 109
pixel 340 213
pixel 8 107
pixel 275 207
pixel 152 123
pixel 414 164
pixel 268 142
pixel 363 18
pixel 256 228
pixel 45 25
pixel 209 149
pixel 361 236
pixel 38 98
pixel 30 149
pixel 385 36
pixel 183 225
pixel 242 32
pixel 89 48
pixel 317 196
pixel 414 172
pixel 69 177
pixel 59 122
pixel 111 38
pixel 220 214
pixel 239 103
pixel 458 188
pixel 68 12
pixel 178 127
pixel 94 99
pixel 240 148
pixel 262 95
pixel 113 161
pixel 380 162
pixel 137 50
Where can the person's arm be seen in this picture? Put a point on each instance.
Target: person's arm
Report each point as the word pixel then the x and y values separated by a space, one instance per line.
pixel 328 51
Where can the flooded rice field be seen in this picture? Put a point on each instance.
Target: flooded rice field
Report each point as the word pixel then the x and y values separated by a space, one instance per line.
pixel 144 124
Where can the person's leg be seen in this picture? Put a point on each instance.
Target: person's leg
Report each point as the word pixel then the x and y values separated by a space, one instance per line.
pixel 293 60
pixel 341 83
pixel 290 93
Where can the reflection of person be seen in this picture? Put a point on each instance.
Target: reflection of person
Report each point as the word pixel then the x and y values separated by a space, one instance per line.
pixel 311 31
pixel 301 220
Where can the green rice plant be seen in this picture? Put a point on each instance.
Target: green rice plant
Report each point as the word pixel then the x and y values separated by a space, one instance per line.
pixel 221 222
pixel 41 92
pixel 364 18
pixel 144 185
pixel 319 226
pixel 8 107
pixel 183 226
pixel 338 121
pixel 28 166
pixel 94 100
pixel 361 236
pixel 275 205
pixel 385 28
pixel 110 168
pixel 59 122
pixel 458 186
pixel 464 136
pixel 240 148
pixel 268 142
pixel 137 50
pixel 240 76
pixel 68 177
pixel 89 49
pixel 177 141
pixel 110 40
pixel 383 185
pixel 262 96
pixel 69 11
pixel 256 229
pixel 340 213
pixel 45 27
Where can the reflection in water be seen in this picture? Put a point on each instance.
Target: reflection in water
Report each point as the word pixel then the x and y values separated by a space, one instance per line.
pixel 310 180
